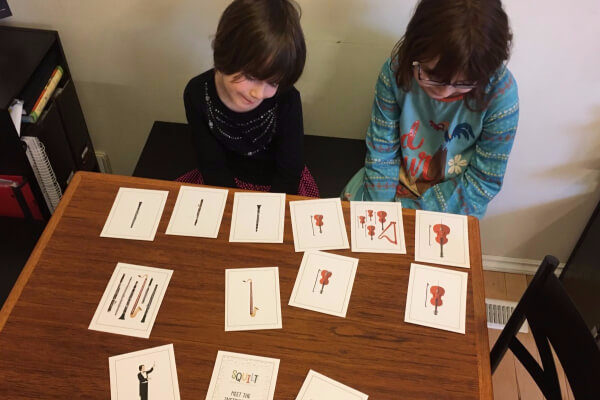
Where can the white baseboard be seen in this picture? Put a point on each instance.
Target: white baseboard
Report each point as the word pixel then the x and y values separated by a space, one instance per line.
pixel 514 265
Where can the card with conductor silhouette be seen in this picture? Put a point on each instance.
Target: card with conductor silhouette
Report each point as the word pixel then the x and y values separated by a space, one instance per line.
pixel 145 374
pixel 324 283
pixel 257 217
pixel 318 225
pixel 252 299
pixel 442 238
pixel 131 300
pixel 437 298
pixel 377 227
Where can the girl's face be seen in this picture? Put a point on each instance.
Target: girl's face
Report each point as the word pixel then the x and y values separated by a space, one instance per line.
pixel 242 93
pixel 444 92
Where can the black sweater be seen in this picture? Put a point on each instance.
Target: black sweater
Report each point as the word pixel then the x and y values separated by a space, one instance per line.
pixel 264 146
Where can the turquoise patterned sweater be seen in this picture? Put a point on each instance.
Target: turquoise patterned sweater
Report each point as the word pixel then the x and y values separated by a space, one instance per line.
pixel 437 155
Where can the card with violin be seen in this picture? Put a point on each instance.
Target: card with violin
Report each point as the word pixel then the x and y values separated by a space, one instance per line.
pixel 442 238
pixel 319 387
pixel 437 298
pixel 377 227
pixel 252 299
pixel 198 212
pixel 324 283
pixel 131 300
pixel 257 217
pixel 318 225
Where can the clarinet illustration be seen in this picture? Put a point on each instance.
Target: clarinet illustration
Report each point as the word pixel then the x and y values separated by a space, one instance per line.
pixel 149 304
pixel 123 295
pixel 257 216
pixel 147 290
pixel 114 299
pixel 128 300
pixel 136 214
pixel 198 212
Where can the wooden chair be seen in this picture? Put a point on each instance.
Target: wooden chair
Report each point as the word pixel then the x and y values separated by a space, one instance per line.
pixel 553 319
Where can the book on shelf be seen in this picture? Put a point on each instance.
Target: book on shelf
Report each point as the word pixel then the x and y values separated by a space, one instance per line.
pixel 38 107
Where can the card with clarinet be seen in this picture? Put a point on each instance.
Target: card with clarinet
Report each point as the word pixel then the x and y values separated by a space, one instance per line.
pixel 145 374
pixel 242 376
pixel 442 238
pixel 135 214
pixel 131 300
pixel 198 212
pixel 324 283
pixel 377 227
pixel 319 387
pixel 252 299
pixel 318 225
pixel 257 217
pixel 437 298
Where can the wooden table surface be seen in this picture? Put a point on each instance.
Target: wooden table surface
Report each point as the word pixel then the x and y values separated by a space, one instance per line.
pixel 47 351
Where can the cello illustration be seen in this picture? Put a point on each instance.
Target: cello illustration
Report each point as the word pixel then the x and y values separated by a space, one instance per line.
pixel 325 275
pixel 381 216
pixel 252 308
pixel 371 229
pixel 319 222
pixel 441 231
pixel 436 297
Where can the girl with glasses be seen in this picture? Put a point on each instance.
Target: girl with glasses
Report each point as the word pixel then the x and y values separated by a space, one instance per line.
pixel 445 112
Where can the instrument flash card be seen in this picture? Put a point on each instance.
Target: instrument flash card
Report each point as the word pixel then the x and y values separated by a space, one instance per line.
pixel 324 283
pixel 135 214
pixel 318 225
pixel 437 297
pixel 252 299
pixel 241 376
pixel 257 217
pixel 131 300
pixel 442 238
pixel 377 227
pixel 198 212
pixel 320 387
pixel 145 374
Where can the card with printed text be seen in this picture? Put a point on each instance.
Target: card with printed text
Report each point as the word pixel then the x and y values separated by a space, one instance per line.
pixel 442 238
pixel 377 227
pixel 198 212
pixel 318 225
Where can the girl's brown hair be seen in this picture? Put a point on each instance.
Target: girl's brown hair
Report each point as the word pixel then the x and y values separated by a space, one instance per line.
pixel 261 39
pixel 468 37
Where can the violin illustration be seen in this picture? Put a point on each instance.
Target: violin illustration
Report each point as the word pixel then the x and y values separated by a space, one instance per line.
pixel 361 219
pixel 319 222
pixel 442 231
pixel 252 308
pixel 370 212
pixel 371 229
pixel 436 299
pixel 325 275
pixel 381 216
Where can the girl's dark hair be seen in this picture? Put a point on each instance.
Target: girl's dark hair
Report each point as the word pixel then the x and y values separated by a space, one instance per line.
pixel 470 37
pixel 261 39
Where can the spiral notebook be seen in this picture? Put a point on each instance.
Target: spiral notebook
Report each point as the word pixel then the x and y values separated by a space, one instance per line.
pixel 36 154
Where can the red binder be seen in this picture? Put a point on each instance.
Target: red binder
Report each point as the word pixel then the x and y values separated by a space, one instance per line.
pixel 16 198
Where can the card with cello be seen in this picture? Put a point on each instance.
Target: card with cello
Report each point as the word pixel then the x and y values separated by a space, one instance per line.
pixel 131 300
pixel 377 227
pixel 324 283
pixel 252 299
pixel 442 238
pixel 319 387
pixel 318 225
pixel 437 298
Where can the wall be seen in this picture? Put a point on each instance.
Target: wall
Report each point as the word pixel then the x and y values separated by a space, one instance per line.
pixel 131 60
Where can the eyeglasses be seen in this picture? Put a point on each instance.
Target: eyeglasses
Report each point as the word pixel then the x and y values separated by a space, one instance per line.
pixel 432 82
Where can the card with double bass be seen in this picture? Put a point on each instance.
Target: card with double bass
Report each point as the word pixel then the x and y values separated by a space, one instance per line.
pixel 377 227
pixel 131 300
pixel 442 238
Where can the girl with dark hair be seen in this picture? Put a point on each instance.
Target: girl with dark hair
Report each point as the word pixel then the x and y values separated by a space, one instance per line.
pixel 445 112
pixel 245 114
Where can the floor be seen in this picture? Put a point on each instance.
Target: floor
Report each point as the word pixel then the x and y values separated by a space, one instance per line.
pixel 511 380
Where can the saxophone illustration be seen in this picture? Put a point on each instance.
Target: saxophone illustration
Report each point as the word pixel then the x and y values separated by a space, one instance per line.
pixel 252 308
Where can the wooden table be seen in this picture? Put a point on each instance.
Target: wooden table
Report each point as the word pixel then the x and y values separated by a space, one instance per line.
pixel 46 350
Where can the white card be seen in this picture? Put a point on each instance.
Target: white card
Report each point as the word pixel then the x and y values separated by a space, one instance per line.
pixel 442 238
pixel 135 214
pixel 319 387
pixel 131 300
pixel 257 217
pixel 377 227
pixel 198 212
pixel 318 225
pixel 242 376
pixel 252 299
pixel 324 283
pixel 437 297
pixel 145 374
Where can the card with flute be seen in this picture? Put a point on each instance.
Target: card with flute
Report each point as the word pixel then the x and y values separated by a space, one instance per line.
pixel 257 217
pixel 131 300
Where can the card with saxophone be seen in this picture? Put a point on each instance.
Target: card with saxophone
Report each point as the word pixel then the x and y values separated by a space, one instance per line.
pixel 131 300
pixel 252 299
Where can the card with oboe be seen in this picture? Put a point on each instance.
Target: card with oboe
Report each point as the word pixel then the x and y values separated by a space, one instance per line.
pixel 131 300
pixel 257 217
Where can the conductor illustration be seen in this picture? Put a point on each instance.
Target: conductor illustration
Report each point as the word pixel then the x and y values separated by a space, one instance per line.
pixel 143 378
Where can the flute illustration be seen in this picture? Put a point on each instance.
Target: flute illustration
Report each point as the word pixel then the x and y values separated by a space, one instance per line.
pixel 257 216
pixel 114 299
pixel 147 290
pixel 197 215
pixel 136 214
